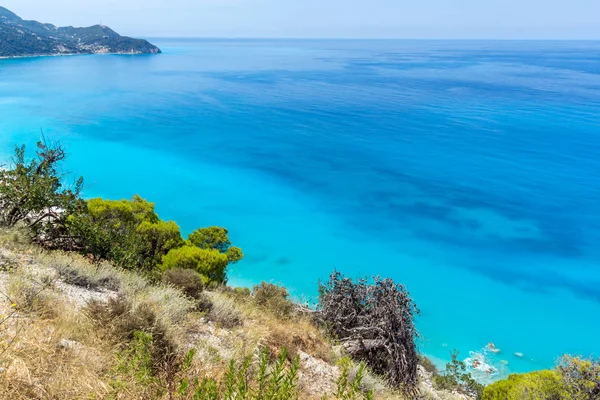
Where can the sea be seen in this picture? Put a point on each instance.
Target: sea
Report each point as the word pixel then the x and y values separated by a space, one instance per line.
pixel 468 171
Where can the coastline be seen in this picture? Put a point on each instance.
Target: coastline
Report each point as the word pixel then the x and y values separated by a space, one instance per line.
pixel 76 54
pixel 287 255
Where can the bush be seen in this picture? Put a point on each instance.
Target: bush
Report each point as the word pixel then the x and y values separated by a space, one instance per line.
pixel 216 238
pixel 268 380
pixel 126 232
pixel 225 313
pixel 154 240
pixel 204 303
pixel 428 365
pixel 351 389
pixel 580 377
pixel 456 377
pixel 273 298
pixel 381 331
pixel 120 320
pixel 573 378
pixel 33 194
pixel 237 293
pixel 535 385
pixel 157 372
pixel 188 281
pixel 208 262
pixel 29 294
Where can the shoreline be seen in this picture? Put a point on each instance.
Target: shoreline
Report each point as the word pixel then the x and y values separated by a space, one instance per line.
pixel 75 54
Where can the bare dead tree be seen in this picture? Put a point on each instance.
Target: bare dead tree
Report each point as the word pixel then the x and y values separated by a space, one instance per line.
pixel 374 323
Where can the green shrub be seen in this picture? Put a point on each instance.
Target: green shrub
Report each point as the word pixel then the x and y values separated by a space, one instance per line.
pixel 428 365
pixel 216 238
pixel 237 293
pixel 580 377
pixel 31 192
pixel 136 359
pixel 351 388
pixel 157 372
pixel 276 380
pixel 208 262
pixel 273 298
pixel 573 378
pixel 188 281
pixel 456 377
pixel 127 232
pixel 537 385
pixel 154 240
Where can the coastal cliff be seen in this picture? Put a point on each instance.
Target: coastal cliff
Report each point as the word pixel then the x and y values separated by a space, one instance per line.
pixel 23 38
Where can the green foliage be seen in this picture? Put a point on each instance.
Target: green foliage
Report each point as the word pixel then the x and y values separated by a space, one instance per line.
pixel 187 280
pixel 136 359
pixel 276 380
pixel 273 298
pixel 350 389
pixel 121 213
pixel 108 230
pixel 32 38
pixel 216 238
pixel 537 385
pixel 126 232
pixel 234 254
pixel 573 378
pixel 154 240
pixel 580 377
pixel 210 263
pixel 32 193
pixel 428 365
pixel 456 377
pixel 211 238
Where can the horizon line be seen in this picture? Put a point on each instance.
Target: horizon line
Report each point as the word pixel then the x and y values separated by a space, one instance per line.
pixel 379 38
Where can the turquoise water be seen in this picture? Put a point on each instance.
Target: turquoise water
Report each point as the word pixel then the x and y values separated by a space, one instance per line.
pixel 466 170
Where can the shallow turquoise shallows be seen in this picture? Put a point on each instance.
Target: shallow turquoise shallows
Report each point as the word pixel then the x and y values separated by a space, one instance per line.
pixel 468 171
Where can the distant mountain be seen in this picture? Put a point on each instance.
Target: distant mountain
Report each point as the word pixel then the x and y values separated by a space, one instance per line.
pixel 19 37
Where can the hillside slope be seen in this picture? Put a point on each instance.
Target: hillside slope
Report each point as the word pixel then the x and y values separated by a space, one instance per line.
pixel 19 37
pixel 55 348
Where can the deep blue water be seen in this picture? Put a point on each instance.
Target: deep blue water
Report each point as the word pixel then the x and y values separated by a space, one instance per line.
pixel 469 171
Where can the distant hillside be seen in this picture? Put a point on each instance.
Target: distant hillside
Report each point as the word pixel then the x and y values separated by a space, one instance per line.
pixel 19 37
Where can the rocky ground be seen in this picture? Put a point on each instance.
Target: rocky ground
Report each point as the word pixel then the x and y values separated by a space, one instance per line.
pixel 71 350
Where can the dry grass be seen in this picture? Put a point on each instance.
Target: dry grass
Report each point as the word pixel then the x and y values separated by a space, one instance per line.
pixel 57 358
pixel 57 350
pixel 224 311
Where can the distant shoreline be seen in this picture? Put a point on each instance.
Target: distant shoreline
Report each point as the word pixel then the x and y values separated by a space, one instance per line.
pixel 73 54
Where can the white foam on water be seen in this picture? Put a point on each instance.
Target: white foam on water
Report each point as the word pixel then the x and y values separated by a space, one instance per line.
pixel 484 366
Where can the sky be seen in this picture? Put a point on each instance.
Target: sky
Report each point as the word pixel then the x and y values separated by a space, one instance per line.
pixel 414 19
